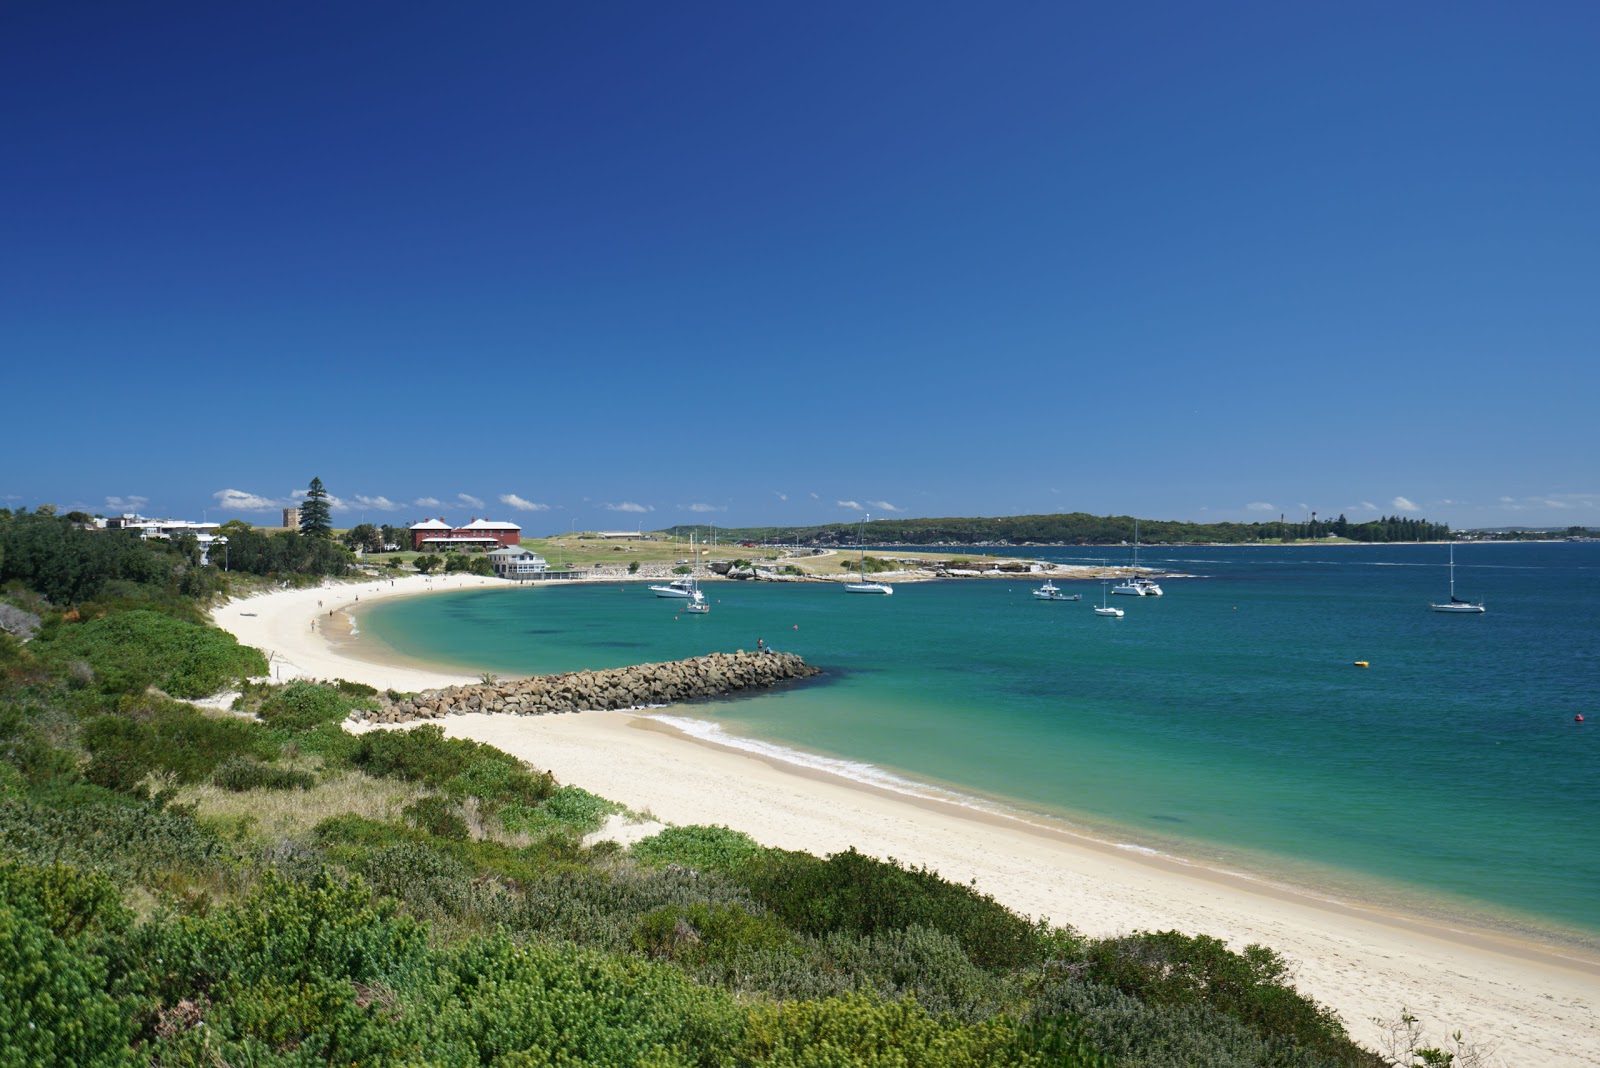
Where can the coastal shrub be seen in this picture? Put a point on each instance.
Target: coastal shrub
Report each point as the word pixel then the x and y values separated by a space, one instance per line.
pixel 858 1031
pixel 169 737
pixel 314 968
pixel 569 808
pixel 54 1008
pixel 132 650
pixel 528 1004
pixel 335 745
pixel 460 767
pixel 303 706
pixel 700 848
pixel 91 828
pixel 239 774
pixel 1253 987
pixel 604 908
pixel 437 816
pixel 853 892
pixel 68 901
pixel 1140 1035
pixel 705 930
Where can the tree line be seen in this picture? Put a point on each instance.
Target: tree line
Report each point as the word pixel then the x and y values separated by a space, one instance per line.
pixel 1080 528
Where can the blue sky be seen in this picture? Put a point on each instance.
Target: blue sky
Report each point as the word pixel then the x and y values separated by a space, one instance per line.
pixel 631 265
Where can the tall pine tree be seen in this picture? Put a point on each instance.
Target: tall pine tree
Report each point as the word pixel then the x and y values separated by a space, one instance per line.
pixel 316 520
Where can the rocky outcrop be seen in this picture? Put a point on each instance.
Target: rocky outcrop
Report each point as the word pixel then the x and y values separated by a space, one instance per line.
pixel 715 675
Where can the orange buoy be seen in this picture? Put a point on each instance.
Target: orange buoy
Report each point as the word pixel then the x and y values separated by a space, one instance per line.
pixel 1578 718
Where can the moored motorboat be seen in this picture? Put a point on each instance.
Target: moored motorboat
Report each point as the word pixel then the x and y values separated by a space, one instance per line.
pixel 1050 592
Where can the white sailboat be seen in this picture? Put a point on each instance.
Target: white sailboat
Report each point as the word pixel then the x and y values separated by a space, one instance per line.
pixel 1137 585
pixel 697 601
pixel 864 586
pixel 1105 609
pixel 1455 604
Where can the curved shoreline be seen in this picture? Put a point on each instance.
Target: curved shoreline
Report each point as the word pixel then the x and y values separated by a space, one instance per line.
pixel 1535 1002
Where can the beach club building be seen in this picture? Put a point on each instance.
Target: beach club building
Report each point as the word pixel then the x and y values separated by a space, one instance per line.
pixel 435 535
pixel 515 562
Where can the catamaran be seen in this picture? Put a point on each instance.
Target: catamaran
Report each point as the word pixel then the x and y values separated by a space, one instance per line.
pixel 864 586
pixel 1137 585
pixel 1455 604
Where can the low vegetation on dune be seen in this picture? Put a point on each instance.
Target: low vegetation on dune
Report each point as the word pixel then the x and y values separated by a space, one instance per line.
pixel 191 887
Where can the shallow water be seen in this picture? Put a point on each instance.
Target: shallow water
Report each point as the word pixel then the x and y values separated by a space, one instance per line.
pixel 1224 721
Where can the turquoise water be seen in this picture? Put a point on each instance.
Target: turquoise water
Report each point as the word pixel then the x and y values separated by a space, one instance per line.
pixel 1224 721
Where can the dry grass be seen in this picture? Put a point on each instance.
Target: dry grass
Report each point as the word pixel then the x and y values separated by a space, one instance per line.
pixel 288 813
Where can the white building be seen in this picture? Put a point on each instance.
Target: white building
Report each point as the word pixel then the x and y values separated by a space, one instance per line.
pixel 514 562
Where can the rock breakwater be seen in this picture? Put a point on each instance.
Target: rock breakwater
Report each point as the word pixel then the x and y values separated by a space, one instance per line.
pixel 699 677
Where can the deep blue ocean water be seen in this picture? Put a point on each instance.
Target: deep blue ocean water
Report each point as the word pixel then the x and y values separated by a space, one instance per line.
pixel 1225 721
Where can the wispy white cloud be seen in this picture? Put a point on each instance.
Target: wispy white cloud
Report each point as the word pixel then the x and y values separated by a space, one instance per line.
pixel 1260 506
pixel 701 507
pixel 816 496
pixel 427 502
pixel 854 506
pixel 245 501
pixel 382 504
pixel 628 506
pixel 780 495
pixel 1558 502
pixel 883 506
pixel 467 498
pixel 1405 504
pixel 522 505
pixel 1366 506
pixel 131 503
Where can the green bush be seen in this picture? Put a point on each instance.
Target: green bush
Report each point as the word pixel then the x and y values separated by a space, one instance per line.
pixel 863 1032
pixel 437 816
pixel 132 650
pixel 699 848
pixel 1140 1035
pixel 461 767
pixel 168 737
pixel 303 706
pixel 88 827
pixel 54 1009
pixel 705 930
pixel 531 1004
pixel 69 901
pixel 1253 987
pixel 313 969
pixel 856 893
pixel 568 808
pixel 239 774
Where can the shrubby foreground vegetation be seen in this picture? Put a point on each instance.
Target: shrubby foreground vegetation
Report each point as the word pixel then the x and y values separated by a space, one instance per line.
pixel 182 887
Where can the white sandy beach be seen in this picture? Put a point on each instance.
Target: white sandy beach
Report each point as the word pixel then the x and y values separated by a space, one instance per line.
pixel 1533 1005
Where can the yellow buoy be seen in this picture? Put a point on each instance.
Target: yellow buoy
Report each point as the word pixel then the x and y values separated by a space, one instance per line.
pixel 1361 663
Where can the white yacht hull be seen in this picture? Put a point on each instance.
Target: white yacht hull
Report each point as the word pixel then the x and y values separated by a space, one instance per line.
pixel 867 587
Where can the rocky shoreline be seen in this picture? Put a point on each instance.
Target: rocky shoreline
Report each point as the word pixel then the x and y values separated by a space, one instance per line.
pixel 697 678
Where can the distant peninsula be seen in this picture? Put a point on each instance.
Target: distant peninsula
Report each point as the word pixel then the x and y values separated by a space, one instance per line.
pixel 1080 528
